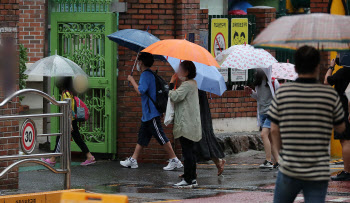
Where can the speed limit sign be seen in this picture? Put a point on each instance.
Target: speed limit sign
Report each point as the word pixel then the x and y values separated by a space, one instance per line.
pixel 28 136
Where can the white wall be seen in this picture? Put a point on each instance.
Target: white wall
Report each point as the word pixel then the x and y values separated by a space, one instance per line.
pixel 32 100
pixel 216 7
pixel 227 125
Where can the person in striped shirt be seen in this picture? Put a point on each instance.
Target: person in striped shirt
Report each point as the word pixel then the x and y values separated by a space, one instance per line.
pixel 303 114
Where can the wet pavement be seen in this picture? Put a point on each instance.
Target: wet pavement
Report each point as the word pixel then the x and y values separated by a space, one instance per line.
pixel 242 181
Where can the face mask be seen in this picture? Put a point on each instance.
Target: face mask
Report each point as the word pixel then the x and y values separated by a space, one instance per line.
pixel 138 66
pixel 337 61
pixel 182 78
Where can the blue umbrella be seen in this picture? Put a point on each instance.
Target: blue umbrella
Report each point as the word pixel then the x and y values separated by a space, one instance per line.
pixel 135 40
pixel 208 78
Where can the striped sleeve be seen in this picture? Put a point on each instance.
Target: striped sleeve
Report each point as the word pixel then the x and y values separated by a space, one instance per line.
pixel 273 112
pixel 338 112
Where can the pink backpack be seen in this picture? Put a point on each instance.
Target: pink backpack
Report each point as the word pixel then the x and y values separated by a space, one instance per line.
pixel 82 112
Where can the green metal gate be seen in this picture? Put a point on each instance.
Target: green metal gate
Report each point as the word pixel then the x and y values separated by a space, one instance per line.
pixel 79 30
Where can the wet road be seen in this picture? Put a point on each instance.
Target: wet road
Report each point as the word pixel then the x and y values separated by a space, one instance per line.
pixel 242 181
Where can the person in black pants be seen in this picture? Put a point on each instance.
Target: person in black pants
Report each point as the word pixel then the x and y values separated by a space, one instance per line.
pixel 187 120
pixel 65 85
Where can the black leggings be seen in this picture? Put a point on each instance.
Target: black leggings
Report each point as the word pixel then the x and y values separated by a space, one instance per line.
pixel 76 137
pixel 189 159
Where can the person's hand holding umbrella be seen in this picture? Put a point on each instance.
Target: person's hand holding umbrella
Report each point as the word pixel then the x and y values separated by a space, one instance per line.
pixel 133 83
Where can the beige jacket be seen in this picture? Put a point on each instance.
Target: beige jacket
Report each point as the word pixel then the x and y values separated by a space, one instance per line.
pixel 187 120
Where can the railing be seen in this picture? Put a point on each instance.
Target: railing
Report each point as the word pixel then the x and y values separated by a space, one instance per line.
pixel 65 129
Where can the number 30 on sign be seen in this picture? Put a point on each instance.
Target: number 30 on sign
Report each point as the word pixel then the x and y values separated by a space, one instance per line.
pixel 28 136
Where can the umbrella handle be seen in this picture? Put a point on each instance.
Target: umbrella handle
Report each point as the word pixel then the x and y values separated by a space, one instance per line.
pixel 132 72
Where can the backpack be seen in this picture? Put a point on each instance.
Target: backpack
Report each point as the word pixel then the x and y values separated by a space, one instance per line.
pixel 162 91
pixel 82 112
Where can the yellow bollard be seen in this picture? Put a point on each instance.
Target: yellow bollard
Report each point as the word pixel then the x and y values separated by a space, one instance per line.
pixel 337 8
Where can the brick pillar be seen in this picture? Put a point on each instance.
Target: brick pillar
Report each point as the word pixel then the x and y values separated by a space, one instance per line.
pixel 264 15
pixel 32 28
pixel 166 19
pixel 321 6
pixel 9 15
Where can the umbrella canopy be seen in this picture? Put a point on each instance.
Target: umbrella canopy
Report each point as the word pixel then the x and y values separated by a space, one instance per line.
pixel 55 66
pixel 245 57
pixel 284 71
pixel 182 50
pixel 323 31
pixel 135 40
pixel 208 77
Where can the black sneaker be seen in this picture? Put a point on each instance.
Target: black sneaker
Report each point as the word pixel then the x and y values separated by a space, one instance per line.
pixel 342 176
pixel 276 165
pixel 266 164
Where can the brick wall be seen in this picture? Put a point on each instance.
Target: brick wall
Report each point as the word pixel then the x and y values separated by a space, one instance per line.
pixel 166 19
pixel 9 15
pixel 232 104
pixel 263 16
pixel 32 28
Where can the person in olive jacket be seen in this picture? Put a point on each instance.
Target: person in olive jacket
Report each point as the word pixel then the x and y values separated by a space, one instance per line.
pixel 187 120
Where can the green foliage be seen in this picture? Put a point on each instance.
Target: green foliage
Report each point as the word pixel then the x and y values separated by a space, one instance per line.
pixel 23 59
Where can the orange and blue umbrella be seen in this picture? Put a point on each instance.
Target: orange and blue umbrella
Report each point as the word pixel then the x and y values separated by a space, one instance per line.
pixel 208 77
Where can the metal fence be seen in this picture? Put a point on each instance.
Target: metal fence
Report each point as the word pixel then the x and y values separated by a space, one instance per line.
pixel 65 129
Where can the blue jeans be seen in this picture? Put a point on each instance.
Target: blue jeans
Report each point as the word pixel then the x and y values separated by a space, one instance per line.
pixel 287 189
pixel 264 121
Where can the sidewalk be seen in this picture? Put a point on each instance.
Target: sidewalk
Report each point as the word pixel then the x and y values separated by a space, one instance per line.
pixel 242 181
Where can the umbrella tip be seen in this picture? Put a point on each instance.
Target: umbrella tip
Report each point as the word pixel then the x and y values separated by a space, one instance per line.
pixel 245 43
pixel 287 60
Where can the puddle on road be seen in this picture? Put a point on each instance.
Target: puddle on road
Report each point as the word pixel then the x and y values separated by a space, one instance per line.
pixel 117 188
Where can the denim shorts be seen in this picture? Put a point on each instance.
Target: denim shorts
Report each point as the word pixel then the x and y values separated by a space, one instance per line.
pixel 264 121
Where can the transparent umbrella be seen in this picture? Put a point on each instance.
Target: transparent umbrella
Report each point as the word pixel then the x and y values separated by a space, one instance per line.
pixel 55 66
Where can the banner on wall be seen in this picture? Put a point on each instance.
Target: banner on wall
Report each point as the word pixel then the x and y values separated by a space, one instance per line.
pixel 224 73
pixel 239 31
pixel 239 35
pixel 239 75
pixel 219 35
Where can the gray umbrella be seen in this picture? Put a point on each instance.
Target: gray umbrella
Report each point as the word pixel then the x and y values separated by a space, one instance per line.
pixel 55 66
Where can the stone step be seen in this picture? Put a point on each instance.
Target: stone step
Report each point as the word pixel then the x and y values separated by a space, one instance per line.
pixel 234 143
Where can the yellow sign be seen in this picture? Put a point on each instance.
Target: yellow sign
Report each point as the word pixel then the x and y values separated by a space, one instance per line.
pixel 239 31
pixel 219 35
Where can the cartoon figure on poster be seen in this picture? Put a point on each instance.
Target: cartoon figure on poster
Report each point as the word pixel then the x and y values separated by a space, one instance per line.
pixel 239 28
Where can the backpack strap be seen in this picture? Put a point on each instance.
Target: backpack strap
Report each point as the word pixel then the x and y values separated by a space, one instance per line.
pixel 154 103
pixel 273 85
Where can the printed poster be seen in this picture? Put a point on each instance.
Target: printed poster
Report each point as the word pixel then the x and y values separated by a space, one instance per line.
pixel 239 35
pixel 219 35
pixel 224 73
pixel 239 31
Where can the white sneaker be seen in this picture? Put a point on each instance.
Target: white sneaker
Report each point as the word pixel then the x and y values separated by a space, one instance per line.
pixel 194 183
pixel 266 164
pixel 173 164
pixel 129 163
pixel 183 184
